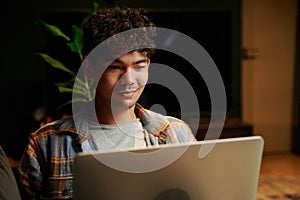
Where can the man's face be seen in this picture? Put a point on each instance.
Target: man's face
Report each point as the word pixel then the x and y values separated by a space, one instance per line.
pixel 124 80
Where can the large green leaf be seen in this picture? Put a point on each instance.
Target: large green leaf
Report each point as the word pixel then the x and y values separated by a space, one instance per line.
pixel 62 89
pixel 55 63
pixel 76 44
pixel 91 13
pixel 82 92
pixel 68 83
pixel 54 30
pixel 73 100
pixel 81 87
pixel 84 88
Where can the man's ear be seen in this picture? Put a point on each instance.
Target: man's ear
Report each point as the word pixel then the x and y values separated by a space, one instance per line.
pixel 148 61
pixel 91 70
pixel 87 69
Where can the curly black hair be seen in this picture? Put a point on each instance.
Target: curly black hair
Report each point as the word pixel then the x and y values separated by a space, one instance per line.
pixel 111 21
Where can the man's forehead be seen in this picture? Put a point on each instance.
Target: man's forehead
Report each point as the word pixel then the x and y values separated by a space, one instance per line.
pixel 135 53
pixel 104 59
pixel 132 54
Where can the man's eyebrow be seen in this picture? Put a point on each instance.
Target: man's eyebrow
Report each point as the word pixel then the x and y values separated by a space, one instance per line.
pixel 140 61
pixel 137 62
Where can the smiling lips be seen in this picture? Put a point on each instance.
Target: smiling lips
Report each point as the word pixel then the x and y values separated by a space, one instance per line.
pixel 127 93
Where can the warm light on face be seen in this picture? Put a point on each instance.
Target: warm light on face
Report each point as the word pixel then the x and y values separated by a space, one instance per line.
pixel 124 80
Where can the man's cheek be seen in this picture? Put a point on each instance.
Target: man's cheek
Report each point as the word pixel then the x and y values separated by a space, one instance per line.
pixel 143 79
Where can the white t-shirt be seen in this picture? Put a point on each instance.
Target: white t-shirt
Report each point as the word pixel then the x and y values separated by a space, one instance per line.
pixel 118 136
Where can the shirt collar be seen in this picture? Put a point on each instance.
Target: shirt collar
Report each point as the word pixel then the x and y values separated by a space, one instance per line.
pixel 153 122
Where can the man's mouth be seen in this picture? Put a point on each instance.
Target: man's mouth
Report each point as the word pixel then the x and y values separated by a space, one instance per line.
pixel 126 93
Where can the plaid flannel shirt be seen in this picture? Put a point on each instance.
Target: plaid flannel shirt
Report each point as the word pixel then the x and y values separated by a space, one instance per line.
pixel 46 170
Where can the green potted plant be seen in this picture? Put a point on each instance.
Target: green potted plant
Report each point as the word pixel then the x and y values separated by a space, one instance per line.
pixel 84 88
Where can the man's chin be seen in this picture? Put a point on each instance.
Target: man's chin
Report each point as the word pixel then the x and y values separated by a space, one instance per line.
pixel 126 104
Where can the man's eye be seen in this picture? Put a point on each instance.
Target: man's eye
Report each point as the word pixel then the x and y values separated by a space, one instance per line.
pixel 114 67
pixel 140 67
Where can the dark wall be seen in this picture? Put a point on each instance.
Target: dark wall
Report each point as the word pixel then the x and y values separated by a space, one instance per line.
pixel 26 82
pixel 21 78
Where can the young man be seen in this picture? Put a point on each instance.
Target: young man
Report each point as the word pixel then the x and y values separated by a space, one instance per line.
pixel 46 169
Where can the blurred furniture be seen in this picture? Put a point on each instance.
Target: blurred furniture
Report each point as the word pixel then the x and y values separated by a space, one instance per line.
pixel 231 128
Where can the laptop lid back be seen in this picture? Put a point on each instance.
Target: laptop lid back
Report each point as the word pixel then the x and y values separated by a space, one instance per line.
pixel 229 171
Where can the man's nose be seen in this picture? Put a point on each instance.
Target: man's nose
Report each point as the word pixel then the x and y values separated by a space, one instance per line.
pixel 127 78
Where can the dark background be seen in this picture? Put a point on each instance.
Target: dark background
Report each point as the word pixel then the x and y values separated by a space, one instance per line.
pixel 27 82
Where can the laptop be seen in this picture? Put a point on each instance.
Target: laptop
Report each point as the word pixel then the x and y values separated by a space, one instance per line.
pixel 223 169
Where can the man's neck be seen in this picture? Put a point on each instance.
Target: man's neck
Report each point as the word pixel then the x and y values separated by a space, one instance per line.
pixel 116 116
